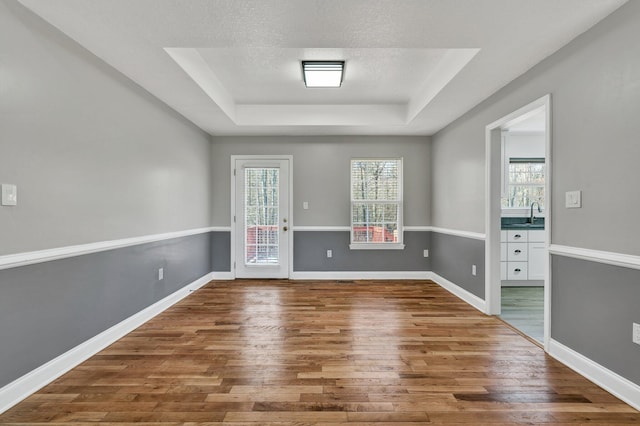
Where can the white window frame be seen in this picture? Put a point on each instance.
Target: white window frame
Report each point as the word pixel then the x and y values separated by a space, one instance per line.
pixel 379 245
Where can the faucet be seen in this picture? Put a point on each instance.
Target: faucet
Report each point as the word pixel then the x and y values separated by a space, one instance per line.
pixel 532 217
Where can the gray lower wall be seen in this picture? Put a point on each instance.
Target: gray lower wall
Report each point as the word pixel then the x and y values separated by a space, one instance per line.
pixel 593 307
pixel 452 257
pixel 221 251
pixel 310 253
pixel 48 308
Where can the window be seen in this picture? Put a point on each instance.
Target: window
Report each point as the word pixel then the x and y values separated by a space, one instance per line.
pixel 525 183
pixel 376 203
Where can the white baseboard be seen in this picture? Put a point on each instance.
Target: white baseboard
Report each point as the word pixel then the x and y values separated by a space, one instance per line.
pixel 463 294
pixel 31 382
pixel 612 382
pixel 222 276
pixel 360 275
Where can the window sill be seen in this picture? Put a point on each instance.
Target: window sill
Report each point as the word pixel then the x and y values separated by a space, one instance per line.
pixel 376 246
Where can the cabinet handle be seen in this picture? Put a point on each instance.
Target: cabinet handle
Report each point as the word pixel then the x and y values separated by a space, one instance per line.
pixel 517 236
pixel 518 251
pixel 517 270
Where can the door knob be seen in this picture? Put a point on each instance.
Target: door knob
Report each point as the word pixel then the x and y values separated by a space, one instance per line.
pixel 284 228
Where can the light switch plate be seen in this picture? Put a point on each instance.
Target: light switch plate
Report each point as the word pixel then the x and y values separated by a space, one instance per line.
pixel 9 194
pixel 573 199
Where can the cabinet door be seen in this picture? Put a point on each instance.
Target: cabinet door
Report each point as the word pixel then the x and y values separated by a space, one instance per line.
pixel 537 260
pixel 536 236
pixel 503 252
pixel 503 270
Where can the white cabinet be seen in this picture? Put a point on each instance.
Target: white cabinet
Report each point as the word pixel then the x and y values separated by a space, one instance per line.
pixel 537 259
pixel 522 255
pixel 517 252
pixel 517 236
pixel 517 270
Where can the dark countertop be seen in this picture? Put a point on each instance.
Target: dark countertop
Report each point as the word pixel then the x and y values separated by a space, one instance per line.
pixel 508 223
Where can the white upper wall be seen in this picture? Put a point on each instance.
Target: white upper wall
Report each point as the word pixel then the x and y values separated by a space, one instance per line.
pixel 595 99
pixel 524 145
pixel 321 167
pixel 93 155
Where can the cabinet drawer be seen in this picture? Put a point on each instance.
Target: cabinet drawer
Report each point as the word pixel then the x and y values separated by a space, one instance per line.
pixel 517 271
pixel 517 236
pixel 517 252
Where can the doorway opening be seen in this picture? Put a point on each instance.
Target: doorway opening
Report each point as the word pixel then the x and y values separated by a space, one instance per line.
pixel 261 240
pixel 518 220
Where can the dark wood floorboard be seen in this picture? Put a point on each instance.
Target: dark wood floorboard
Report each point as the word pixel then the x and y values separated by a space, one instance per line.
pixel 293 353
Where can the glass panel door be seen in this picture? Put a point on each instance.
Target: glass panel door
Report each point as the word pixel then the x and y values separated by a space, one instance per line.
pixel 261 217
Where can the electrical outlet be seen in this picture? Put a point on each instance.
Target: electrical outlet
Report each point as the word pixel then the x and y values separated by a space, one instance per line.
pixel 425 253
pixel 160 274
pixel 329 253
pixel 636 333
pixel 474 270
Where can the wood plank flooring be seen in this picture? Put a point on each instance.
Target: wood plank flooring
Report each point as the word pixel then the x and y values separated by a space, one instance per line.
pixel 296 353
pixel 523 308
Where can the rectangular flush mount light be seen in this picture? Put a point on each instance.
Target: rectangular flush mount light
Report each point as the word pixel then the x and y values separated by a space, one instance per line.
pixel 322 73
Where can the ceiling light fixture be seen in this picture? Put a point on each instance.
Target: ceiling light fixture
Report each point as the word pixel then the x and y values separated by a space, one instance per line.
pixel 322 73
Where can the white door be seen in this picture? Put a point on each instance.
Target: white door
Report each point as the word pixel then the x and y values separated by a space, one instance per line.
pixel 262 217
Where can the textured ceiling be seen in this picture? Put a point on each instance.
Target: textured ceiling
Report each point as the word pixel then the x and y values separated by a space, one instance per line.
pixel 233 67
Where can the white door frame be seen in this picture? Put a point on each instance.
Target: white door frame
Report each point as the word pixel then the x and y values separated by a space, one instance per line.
pixel 492 209
pixel 289 234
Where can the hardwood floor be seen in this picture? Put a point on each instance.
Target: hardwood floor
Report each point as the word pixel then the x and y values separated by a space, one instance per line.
pixel 295 353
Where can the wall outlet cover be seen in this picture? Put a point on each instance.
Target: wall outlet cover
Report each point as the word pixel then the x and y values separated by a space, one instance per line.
pixel 9 194
pixel 573 199
pixel 160 274
pixel 329 253
pixel 425 253
pixel 636 333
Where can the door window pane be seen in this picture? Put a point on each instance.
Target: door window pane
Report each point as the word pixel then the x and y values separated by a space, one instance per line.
pixel 261 215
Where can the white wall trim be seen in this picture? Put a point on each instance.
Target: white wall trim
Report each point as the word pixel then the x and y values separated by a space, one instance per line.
pixel 306 228
pixel 466 234
pixel 612 382
pixel 458 291
pixel 337 228
pixel 607 257
pixel 417 228
pixel 220 229
pixel 360 275
pixel 31 382
pixel 29 258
